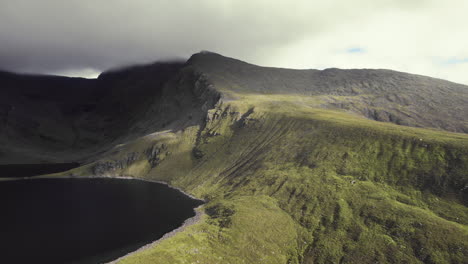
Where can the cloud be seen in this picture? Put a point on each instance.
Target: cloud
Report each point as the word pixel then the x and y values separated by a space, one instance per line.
pixel 409 40
pixel 84 37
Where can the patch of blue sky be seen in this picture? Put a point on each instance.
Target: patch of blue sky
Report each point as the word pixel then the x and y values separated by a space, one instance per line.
pixel 356 50
pixel 450 61
pixel 456 60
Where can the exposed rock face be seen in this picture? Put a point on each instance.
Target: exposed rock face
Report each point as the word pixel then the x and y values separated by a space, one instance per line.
pixel 382 95
pixel 197 153
pixel 156 154
pixel 106 167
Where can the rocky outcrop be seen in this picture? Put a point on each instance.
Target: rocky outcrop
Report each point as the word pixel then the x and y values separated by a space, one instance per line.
pixel 110 166
pixel 156 154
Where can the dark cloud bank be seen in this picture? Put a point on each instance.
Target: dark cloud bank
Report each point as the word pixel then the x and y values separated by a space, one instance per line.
pixel 52 36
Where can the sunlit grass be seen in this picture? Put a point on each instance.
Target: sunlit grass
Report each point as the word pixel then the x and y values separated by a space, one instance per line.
pixel 286 182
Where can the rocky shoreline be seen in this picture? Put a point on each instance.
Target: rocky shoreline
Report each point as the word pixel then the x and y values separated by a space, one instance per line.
pixel 190 221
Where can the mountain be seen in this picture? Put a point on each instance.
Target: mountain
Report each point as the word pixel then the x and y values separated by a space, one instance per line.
pixel 59 119
pixel 296 166
pixel 381 95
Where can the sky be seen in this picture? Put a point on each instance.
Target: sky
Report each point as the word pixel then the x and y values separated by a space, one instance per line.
pixel 86 37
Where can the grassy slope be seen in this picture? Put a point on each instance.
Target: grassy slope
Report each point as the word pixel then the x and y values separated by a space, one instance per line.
pixel 289 183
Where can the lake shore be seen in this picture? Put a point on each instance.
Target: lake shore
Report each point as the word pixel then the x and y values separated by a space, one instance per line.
pixel 188 222
pixel 191 221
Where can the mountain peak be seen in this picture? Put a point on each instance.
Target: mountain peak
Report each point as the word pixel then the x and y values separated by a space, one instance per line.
pixel 211 59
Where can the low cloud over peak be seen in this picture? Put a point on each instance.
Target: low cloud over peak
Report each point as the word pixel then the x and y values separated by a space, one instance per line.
pixel 86 37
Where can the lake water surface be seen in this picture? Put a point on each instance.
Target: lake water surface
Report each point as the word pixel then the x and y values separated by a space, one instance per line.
pixel 85 220
pixel 29 170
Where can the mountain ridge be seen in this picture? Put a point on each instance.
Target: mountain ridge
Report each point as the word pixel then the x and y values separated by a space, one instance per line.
pixel 301 177
pixel 403 96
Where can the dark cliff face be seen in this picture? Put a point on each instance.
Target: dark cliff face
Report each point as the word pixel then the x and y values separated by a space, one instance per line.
pixel 59 119
pixel 38 112
pixel 382 95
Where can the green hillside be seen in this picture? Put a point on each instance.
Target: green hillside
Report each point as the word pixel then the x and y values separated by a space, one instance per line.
pixel 287 183
pixel 298 167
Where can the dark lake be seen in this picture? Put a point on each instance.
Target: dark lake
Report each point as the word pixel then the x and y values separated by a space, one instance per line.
pixel 85 220
pixel 28 170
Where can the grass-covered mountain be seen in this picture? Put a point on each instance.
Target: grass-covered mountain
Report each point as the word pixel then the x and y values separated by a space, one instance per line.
pixel 296 166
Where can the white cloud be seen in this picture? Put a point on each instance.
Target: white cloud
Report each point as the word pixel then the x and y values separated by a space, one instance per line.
pixel 72 36
pixel 416 41
pixel 82 72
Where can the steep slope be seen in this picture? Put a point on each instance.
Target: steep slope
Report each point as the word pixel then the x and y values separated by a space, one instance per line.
pixel 381 95
pixel 289 184
pixel 58 119
pixel 292 164
pixel 34 113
